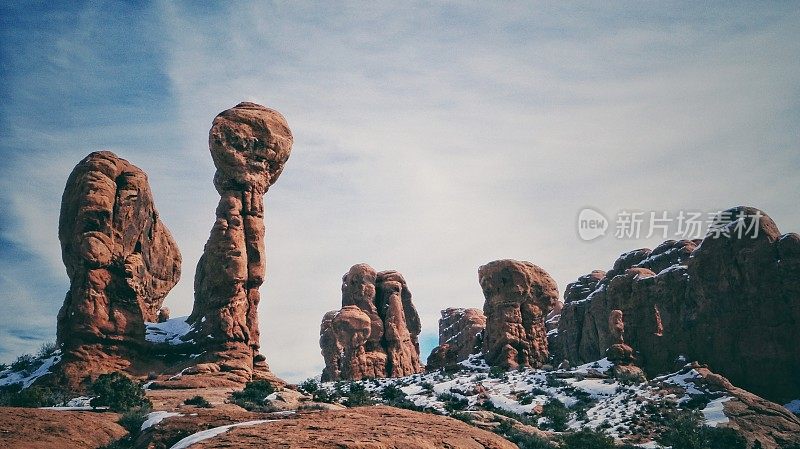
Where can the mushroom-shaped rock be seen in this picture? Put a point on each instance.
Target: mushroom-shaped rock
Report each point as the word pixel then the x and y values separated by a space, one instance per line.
pixel 249 144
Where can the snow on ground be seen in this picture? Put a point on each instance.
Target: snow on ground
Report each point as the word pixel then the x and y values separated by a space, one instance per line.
pixel 169 332
pixel 154 418
pixel 211 433
pixel 76 404
pixel 713 412
pixel 794 406
pixel 27 377
pixel 594 400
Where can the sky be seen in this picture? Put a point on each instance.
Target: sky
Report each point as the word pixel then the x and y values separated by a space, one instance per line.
pixel 429 138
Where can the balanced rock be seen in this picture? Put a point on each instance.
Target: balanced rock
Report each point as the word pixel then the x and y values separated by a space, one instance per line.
pixel 249 144
pixel 375 334
pixel 519 295
pixel 121 261
pixel 460 335
pixel 731 301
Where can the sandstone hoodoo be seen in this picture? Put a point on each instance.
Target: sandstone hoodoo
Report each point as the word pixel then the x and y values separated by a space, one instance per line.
pixel 519 295
pixel 375 334
pixel 249 144
pixel 460 334
pixel 121 261
pixel 732 302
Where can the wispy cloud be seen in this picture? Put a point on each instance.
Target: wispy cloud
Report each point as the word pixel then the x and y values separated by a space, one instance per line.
pixel 430 138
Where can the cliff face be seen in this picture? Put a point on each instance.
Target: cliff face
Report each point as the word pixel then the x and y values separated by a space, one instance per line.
pixel 731 301
pixel 375 334
pixel 121 261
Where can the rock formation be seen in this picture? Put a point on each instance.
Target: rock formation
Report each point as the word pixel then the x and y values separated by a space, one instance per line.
pixel 375 334
pixel 732 302
pixel 519 295
pixel 460 334
pixel 121 261
pixel 249 145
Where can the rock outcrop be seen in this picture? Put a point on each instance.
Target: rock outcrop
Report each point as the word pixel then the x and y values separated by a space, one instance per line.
pixel 519 295
pixel 121 261
pixel 460 335
pixel 249 144
pixel 375 334
pixel 732 301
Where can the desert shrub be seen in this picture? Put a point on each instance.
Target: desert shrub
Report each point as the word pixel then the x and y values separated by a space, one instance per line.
pixel 461 416
pixel 47 350
pixel 357 395
pixel 685 430
pixel 117 392
pixel 696 403
pixel 497 372
pixel 392 393
pixel 309 386
pixel 557 415
pixel 588 439
pixel 452 402
pixel 323 395
pixel 427 387
pixel 521 439
pixel 198 401
pixel 35 396
pixel 253 395
pixel 554 382
pixel 133 419
pixel 24 363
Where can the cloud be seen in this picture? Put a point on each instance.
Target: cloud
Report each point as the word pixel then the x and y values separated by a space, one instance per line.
pixel 430 139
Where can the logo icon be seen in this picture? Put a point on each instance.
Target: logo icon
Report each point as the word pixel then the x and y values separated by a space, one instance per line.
pixel 591 224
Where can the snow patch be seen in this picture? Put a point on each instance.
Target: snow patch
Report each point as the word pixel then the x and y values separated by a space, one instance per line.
pixel 211 433
pixel 156 417
pixel 168 332
pixel 714 412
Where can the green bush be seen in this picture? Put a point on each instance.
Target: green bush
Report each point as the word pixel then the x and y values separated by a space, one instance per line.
pixel 117 392
pixel 497 372
pixel 309 386
pixel 392 393
pixel 526 440
pixel 453 403
pixel 133 419
pixel 35 396
pixel 557 415
pixel 46 350
pixel 685 430
pixel 24 363
pixel 253 395
pixel 357 395
pixel 588 439
pixel 198 401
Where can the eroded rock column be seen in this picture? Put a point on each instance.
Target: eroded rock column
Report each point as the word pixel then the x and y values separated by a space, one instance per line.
pixel 249 144
pixel 375 334
pixel 121 261
pixel 519 295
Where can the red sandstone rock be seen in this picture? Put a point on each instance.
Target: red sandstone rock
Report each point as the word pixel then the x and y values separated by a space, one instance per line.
pixel 121 261
pixel 519 295
pixel 460 334
pixel 733 304
pixel 375 334
pixel 250 145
